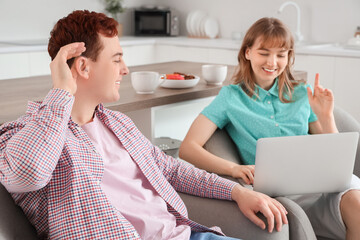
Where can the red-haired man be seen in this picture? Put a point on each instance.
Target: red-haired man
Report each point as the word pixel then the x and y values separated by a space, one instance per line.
pixel 81 171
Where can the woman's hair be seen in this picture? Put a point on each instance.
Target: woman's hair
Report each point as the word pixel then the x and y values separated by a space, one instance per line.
pixel 272 33
pixel 82 26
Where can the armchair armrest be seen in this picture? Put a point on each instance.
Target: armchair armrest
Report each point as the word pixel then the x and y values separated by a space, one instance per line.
pixel 347 123
pixel 227 216
pixel 13 222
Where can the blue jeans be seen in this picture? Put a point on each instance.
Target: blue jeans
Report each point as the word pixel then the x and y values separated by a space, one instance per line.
pixel 208 236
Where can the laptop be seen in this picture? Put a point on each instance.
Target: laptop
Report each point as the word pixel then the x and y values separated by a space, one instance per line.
pixel 317 163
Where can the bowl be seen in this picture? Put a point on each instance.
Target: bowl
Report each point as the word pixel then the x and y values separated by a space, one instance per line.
pixel 169 83
pixel 214 74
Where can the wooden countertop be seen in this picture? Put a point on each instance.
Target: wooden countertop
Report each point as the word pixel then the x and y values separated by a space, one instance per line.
pixel 15 93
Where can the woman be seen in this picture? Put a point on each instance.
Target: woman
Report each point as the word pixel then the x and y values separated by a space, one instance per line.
pixel 266 101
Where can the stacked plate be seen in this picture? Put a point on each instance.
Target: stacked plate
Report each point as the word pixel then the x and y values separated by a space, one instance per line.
pixel 199 24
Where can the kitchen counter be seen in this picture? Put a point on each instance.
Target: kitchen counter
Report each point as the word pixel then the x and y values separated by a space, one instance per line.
pixel 221 43
pixel 15 93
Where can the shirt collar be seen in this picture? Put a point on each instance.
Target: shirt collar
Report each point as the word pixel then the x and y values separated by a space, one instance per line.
pixel 274 90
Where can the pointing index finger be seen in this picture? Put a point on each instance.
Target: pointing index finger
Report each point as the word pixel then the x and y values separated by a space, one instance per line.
pixel 316 80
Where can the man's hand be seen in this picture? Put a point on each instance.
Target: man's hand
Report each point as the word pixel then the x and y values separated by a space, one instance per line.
pixel 251 202
pixel 60 72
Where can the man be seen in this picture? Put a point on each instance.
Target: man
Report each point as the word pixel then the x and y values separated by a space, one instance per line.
pixel 79 170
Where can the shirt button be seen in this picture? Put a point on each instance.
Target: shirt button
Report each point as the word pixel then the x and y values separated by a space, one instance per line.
pixel 136 235
pixel 269 102
pixel 276 124
pixel 271 117
pixel 67 97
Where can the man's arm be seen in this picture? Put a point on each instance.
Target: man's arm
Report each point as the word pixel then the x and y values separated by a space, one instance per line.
pixel 251 202
pixel 29 154
pixel 189 179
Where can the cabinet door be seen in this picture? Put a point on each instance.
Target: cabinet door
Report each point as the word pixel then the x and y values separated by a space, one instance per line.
pixel 347 85
pixel 166 53
pixel 223 56
pixel 139 54
pixel 192 54
pixel 323 65
pixel 39 63
pixel 14 65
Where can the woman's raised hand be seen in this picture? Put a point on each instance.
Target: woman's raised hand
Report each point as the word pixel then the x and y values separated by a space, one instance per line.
pixel 61 74
pixel 322 100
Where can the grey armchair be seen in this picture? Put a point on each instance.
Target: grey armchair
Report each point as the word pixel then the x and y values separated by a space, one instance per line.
pixel 300 228
pixel 210 212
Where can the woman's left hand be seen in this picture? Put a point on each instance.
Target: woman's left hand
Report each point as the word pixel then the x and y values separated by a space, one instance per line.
pixel 322 101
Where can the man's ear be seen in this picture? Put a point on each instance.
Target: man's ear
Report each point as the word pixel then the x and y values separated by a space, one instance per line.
pixel 81 65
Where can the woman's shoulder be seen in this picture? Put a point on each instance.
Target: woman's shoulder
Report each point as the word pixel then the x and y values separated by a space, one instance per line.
pixel 232 88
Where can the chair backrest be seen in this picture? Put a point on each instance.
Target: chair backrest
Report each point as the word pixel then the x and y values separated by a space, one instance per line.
pixel 222 145
pixel 347 123
pixel 13 222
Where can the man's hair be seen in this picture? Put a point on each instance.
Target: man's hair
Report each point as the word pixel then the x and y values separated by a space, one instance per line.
pixel 82 26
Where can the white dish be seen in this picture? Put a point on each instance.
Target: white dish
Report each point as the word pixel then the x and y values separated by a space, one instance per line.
pixel 188 23
pixel 169 83
pixel 211 27
pixel 196 22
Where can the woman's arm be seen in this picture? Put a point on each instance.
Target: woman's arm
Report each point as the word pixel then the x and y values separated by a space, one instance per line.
pixel 192 151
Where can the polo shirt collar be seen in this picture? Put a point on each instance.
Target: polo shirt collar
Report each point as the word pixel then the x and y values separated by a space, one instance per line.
pixel 274 90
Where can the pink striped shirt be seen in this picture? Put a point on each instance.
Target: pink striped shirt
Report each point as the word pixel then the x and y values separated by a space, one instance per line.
pixel 56 170
pixel 129 191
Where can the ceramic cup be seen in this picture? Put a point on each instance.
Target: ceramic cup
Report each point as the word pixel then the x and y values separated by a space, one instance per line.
pixel 214 74
pixel 145 82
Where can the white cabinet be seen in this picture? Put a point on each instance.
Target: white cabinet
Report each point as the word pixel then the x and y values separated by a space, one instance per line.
pixel 139 54
pixel 324 65
pixel 18 65
pixel 340 74
pixel 39 63
pixel 166 53
pixel 347 85
pixel 223 56
pixel 14 65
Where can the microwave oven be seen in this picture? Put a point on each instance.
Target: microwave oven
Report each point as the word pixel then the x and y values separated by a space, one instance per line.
pixel 156 22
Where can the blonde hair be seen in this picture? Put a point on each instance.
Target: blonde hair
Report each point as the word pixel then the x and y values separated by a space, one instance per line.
pixel 273 33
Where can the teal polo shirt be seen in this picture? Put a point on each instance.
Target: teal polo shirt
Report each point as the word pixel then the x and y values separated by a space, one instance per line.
pixel 247 119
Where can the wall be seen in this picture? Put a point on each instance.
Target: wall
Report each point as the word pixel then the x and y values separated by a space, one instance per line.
pixel 34 19
pixel 322 20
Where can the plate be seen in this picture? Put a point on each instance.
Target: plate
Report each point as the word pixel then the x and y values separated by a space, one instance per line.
pixel 168 83
pixel 211 27
pixel 188 23
pixel 196 21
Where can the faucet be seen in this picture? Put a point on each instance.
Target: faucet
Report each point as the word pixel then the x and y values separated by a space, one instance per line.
pixel 299 37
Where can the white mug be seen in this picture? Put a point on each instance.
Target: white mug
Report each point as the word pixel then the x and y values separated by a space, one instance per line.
pixel 214 74
pixel 145 82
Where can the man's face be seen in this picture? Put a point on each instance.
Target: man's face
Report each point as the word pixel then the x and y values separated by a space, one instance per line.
pixel 105 74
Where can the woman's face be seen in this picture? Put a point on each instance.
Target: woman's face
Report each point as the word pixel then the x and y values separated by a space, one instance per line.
pixel 267 63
